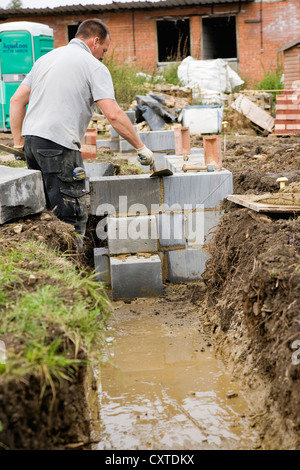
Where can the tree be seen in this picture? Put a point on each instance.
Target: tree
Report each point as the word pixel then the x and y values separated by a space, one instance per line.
pixel 15 4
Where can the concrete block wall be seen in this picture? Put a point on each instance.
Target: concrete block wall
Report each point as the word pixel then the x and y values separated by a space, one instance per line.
pixel 167 220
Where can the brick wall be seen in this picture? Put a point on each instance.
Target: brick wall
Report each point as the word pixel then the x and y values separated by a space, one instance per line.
pixel 134 34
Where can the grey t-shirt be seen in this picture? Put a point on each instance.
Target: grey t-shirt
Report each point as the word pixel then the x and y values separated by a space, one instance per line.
pixel 64 84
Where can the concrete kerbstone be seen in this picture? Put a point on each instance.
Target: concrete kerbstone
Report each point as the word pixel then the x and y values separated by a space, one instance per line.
pixel 21 193
pixel 136 276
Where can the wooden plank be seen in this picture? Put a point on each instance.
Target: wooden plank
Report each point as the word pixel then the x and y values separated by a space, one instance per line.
pixel 252 202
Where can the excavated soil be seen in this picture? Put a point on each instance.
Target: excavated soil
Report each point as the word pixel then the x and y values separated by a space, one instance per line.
pixel 250 290
pixel 252 280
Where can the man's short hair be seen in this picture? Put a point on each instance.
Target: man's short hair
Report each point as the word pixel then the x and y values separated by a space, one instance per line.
pixel 92 28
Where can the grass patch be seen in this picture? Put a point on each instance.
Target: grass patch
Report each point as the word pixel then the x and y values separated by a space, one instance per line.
pixel 13 163
pixel 52 315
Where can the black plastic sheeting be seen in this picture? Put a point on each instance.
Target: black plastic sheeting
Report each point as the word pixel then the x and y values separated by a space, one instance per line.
pixel 150 109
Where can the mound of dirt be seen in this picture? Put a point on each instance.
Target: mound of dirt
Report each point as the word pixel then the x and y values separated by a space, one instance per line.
pixel 44 227
pixel 253 279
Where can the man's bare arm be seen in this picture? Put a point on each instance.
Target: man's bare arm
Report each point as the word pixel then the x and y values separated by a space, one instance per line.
pixel 120 121
pixel 18 103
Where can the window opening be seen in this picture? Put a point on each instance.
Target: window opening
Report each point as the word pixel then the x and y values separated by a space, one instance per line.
pixel 173 37
pixel 219 38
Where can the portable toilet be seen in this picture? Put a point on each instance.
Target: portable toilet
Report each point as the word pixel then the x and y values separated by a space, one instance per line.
pixel 21 44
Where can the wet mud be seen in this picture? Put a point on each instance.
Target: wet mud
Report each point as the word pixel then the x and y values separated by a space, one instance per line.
pixel 163 386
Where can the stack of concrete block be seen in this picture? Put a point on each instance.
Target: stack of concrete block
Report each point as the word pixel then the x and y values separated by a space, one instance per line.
pixel 21 193
pixel 183 207
pixel 287 121
pixel 88 145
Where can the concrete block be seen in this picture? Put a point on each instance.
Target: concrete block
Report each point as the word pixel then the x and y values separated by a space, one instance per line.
pixel 136 276
pixel 160 161
pixel 201 188
pixel 102 265
pixel 200 226
pixel 175 162
pixel 197 151
pixel 171 229
pixel 211 221
pixel 132 234
pixel 131 114
pixel 21 193
pixel 126 146
pixel 186 265
pixel 114 134
pixel 97 169
pixel 112 144
pixel 157 141
pixel 124 195
pixel 194 227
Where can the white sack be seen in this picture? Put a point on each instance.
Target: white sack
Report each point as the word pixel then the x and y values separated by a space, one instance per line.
pixel 213 74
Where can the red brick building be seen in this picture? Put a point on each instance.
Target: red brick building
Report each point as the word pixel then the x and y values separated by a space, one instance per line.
pixel 249 33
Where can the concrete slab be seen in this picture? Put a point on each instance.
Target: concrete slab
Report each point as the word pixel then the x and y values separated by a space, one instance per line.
pixel 132 234
pixel 124 195
pixel 136 276
pixel 102 265
pixel 186 265
pixel 21 193
pixel 201 188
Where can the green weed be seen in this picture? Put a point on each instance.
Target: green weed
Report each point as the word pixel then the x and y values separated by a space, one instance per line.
pixel 55 313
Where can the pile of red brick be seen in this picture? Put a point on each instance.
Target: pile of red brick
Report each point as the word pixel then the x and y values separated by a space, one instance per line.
pixel 88 145
pixel 287 121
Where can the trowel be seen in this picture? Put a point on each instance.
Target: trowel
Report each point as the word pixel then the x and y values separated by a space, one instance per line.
pixel 19 154
pixel 161 173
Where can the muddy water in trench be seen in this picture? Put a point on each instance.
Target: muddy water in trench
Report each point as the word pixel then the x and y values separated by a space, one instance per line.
pixel 166 390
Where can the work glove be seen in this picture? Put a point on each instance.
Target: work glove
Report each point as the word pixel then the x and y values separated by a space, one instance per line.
pixel 145 156
pixel 20 149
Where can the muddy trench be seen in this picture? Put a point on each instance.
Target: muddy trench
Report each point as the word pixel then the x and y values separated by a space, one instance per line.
pixel 163 387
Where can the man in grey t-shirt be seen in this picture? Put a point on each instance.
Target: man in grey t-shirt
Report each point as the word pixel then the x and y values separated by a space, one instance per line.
pixel 60 91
